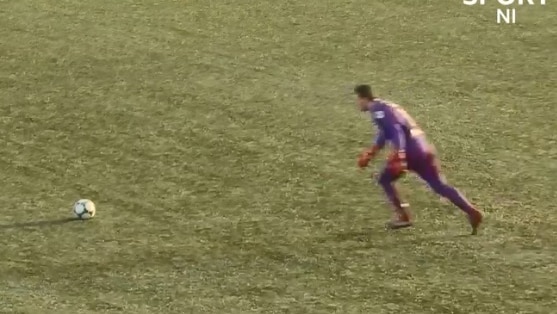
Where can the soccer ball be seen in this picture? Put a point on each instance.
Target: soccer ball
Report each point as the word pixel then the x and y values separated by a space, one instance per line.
pixel 84 209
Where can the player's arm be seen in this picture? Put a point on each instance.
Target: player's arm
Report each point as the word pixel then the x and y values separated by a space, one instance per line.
pixel 376 146
pixel 394 131
pixel 380 139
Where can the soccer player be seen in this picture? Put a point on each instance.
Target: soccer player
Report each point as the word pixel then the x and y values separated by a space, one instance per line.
pixel 410 152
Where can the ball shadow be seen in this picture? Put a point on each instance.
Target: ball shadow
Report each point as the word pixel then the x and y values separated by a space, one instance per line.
pixel 38 224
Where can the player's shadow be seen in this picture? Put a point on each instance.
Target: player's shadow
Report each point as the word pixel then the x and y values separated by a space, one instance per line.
pixel 363 235
pixel 37 224
pixel 408 236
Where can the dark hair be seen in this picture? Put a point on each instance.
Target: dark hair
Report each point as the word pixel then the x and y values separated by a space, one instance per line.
pixel 363 91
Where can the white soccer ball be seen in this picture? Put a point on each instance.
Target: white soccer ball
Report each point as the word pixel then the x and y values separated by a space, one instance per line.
pixel 84 209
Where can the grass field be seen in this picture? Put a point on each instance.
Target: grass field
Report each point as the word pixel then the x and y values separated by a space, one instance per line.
pixel 219 138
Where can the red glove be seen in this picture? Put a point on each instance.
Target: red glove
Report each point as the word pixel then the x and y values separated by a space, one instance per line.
pixel 365 156
pixel 397 162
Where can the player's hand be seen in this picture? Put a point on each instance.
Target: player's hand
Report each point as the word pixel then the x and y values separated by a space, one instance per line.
pixel 397 162
pixel 401 156
pixel 365 157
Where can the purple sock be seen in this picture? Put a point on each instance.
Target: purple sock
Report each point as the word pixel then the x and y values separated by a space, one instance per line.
pixel 430 173
pixel 386 181
pixel 392 195
pixel 454 196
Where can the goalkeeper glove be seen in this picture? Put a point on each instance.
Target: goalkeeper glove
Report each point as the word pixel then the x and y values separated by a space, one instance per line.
pixel 366 155
pixel 397 162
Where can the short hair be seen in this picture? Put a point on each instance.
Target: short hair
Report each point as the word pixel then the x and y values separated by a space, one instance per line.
pixel 363 91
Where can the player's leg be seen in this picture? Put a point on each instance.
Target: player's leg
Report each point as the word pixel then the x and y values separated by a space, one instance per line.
pixel 429 171
pixel 387 181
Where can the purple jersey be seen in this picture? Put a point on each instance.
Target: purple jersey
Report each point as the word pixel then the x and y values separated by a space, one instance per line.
pixel 396 126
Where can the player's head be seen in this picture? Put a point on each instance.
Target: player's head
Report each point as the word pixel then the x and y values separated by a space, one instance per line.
pixel 364 96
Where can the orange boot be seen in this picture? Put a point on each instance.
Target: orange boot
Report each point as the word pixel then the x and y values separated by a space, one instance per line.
pixel 475 218
pixel 400 220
